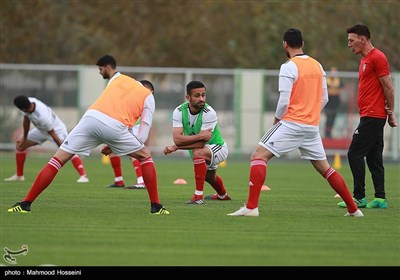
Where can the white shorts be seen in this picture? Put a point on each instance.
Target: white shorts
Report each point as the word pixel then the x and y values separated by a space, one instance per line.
pixel 40 136
pixel 135 129
pixel 90 132
pixel 285 137
pixel 218 154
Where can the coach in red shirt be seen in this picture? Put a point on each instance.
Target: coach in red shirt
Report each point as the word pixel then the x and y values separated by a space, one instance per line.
pixel 375 101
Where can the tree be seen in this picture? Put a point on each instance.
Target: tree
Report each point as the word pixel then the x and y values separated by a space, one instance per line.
pixel 192 33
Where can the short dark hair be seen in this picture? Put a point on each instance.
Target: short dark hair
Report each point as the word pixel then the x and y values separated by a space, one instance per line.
pixel 293 38
pixel 194 84
pixel 360 29
pixel 22 102
pixel 147 84
pixel 107 60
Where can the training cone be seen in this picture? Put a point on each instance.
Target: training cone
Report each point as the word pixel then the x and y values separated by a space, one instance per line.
pixel 180 181
pixel 105 159
pixel 265 188
pixel 222 164
pixel 337 162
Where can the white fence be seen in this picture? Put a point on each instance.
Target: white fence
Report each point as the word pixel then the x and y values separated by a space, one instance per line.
pixel 244 99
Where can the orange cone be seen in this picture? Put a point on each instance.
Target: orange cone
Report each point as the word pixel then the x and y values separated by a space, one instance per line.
pixel 105 159
pixel 337 162
pixel 265 188
pixel 180 181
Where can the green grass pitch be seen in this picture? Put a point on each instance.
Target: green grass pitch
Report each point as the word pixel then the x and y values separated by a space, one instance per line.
pixel 75 224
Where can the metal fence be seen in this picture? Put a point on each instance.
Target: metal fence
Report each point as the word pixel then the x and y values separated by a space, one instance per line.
pixel 59 87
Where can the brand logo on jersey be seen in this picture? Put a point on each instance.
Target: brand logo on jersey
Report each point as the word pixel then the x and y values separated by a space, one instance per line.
pixel 364 66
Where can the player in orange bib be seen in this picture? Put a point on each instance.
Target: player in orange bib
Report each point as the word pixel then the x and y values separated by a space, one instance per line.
pixel 303 94
pixel 142 130
pixel 108 120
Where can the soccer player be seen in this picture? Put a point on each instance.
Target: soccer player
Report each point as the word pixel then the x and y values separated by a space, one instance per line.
pixel 195 128
pixel 303 94
pixel 108 120
pixel 48 127
pixel 375 101
pixel 115 160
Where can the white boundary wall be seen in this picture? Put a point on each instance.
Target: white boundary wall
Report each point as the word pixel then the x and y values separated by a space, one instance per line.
pixel 244 125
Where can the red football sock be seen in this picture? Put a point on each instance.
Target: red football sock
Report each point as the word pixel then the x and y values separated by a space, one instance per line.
pixel 258 173
pixel 218 185
pixel 136 165
pixel 339 185
pixel 20 157
pixel 150 178
pixel 200 169
pixel 77 162
pixel 116 165
pixel 44 179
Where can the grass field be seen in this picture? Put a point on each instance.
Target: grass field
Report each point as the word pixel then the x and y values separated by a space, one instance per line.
pixel 75 224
